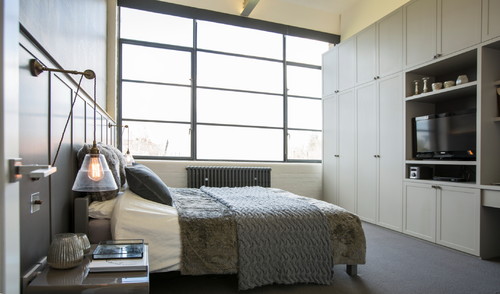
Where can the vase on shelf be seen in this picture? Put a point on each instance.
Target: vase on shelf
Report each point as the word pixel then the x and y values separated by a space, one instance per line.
pixel 416 89
pixel 65 251
pixel 425 87
pixel 84 240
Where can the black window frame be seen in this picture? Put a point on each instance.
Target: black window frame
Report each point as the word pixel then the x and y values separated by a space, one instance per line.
pixel 206 15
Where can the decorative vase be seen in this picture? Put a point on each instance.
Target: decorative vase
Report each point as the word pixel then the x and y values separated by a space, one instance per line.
pixel 84 240
pixel 425 88
pixel 65 251
pixel 416 90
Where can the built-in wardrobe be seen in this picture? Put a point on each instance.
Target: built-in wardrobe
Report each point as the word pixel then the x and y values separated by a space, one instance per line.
pixel 373 90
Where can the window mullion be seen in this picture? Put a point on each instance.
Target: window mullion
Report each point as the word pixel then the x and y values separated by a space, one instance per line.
pixel 194 85
pixel 285 104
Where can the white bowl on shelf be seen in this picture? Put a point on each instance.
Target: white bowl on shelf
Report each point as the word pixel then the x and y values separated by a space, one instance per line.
pixel 437 86
pixel 448 84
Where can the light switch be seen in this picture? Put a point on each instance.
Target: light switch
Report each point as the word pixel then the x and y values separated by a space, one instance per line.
pixel 35 202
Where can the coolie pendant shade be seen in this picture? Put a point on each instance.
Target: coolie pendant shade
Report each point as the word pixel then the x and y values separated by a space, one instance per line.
pixel 94 175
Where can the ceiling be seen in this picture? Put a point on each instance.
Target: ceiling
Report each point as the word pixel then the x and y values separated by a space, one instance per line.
pixel 320 15
pixel 334 6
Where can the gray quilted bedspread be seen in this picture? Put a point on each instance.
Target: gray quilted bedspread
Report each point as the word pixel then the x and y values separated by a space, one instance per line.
pixel 253 235
pixel 280 239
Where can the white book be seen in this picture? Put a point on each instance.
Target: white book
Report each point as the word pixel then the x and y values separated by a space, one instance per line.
pixel 120 265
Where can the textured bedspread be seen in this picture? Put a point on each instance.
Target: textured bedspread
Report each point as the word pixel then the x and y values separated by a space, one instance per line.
pixel 280 239
pixel 210 238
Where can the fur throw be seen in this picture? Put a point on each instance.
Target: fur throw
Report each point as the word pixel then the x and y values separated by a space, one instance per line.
pixel 116 162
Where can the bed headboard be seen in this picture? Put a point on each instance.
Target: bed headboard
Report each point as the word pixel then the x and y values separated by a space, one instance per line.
pixel 96 229
pixel 81 214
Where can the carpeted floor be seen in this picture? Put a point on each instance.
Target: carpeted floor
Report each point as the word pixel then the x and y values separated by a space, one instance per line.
pixel 396 263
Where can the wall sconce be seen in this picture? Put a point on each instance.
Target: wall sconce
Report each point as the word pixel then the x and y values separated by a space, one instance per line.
pixel 94 174
pixel 128 156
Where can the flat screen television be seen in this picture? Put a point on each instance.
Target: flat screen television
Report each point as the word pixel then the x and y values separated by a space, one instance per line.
pixel 450 135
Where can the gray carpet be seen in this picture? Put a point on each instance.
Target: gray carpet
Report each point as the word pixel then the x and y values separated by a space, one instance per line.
pixel 396 263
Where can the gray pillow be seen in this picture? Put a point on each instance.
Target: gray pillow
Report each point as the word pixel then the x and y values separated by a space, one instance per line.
pixel 145 183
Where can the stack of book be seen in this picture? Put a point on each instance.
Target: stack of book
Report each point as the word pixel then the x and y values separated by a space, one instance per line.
pixel 120 256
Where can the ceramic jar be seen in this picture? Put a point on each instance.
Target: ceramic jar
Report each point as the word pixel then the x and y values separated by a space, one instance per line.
pixel 65 251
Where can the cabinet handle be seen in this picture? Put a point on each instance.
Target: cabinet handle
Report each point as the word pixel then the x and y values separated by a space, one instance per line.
pixel 436 187
pixel 437 56
pixel 376 156
pixel 336 155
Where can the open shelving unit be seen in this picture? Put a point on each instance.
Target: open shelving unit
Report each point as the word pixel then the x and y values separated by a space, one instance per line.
pixel 453 99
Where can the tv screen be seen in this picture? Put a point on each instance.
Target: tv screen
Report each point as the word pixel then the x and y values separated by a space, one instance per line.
pixel 445 136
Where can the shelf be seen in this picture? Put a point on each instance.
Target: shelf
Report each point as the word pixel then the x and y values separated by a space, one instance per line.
pixel 490 187
pixel 496 83
pixel 442 162
pixel 447 93
pixel 444 183
pixel 496 119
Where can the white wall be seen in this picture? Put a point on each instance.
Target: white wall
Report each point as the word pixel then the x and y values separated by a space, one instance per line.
pixel 365 13
pixel 300 178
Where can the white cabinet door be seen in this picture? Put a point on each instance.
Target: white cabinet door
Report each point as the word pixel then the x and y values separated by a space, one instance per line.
pixel 421 31
pixel 491 19
pixel 366 54
pixel 390 43
pixel 330 69
pixel 460 24
pixel 420 211
pixel 458 218
pixel 330 149
pixel 347 64
pixel 367 151
pixel 391 172
pixel 347 150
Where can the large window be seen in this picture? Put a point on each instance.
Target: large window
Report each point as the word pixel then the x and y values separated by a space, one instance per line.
pixel 202 90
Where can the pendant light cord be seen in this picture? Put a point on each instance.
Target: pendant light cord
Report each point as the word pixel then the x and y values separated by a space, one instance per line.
pixel 95 108
pixel 69 117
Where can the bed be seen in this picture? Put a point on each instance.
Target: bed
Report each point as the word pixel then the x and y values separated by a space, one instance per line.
pixel 264 235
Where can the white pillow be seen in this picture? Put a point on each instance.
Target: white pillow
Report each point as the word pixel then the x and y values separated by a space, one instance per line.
pixel 102 209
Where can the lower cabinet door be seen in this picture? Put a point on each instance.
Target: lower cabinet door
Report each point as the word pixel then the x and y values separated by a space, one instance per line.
pixel 420 211
pixel 458 218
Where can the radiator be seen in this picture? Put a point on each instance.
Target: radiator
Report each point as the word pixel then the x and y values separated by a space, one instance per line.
pixel 228 176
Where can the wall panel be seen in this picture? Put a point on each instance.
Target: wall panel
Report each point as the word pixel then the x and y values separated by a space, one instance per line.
pixel 45 103
pixel 61 182
pixel 73 32
pixel 33 149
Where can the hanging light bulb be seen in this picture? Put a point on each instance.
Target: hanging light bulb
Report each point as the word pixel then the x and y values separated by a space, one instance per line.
pixel 94 175
pixel 95 172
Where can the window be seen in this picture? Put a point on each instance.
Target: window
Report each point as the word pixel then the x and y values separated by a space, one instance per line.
pixel 202 90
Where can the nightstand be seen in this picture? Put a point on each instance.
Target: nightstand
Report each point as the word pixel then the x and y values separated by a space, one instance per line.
pixel 79 280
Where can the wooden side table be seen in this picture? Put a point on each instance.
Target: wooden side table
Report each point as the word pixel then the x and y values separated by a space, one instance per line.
pixel 79 280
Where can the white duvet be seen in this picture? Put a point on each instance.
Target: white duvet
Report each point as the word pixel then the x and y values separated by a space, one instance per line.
pixel 137 218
